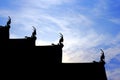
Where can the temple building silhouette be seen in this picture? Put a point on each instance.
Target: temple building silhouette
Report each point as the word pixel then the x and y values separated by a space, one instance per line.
pixel 23 52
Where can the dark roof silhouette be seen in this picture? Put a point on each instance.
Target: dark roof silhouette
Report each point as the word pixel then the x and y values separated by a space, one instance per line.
pixel 24 53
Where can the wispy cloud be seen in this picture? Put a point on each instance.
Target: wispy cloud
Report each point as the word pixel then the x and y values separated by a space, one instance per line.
pixel 82 41
pixel 113 74
pixel 115 20
pixel 43 3
pixel 80 47
pixel 100 8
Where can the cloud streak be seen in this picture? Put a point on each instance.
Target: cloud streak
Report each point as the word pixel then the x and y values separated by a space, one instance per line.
pixel 115 20
pixel 82 40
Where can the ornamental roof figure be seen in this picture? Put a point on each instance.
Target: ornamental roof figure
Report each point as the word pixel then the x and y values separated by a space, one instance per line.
pixel 102 58
pixel 61 38
pixel 8 22
pixel 34 32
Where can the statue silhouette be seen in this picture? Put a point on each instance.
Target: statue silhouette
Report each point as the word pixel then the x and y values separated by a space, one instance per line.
pixel 61 40
pixel 8 22
pixel 102 58
pixel 34 32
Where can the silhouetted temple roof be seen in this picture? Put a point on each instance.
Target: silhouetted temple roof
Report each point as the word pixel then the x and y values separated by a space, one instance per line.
pixel 24 54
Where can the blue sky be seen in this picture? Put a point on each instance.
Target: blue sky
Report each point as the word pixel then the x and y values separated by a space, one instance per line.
pixel 87 26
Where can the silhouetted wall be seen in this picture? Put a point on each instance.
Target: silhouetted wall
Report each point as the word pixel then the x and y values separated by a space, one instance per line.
pixel 38 54
pixel 84 71
pixel 4 35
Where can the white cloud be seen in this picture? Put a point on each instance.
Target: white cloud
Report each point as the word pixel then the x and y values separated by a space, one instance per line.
pixel 83 49
pixel 115 20
pixel 41 42
pixel 100 8
pixel 112 52
pixel 114 47
pixel 43 3
pixel 118 58
pixel 113 74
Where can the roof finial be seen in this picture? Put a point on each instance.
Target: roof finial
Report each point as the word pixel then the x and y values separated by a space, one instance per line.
pixel 8 22
pixel 61 39
pixel 102 58
pixel 34 32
